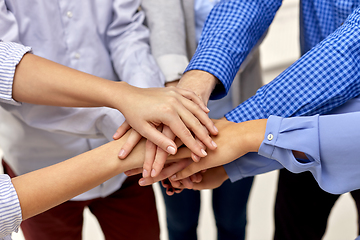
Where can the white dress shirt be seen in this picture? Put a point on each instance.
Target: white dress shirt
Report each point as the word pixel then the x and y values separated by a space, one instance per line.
pixel 104 38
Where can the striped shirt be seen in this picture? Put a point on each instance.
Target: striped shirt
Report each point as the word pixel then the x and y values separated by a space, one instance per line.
pixel 10 211
pixel 10 56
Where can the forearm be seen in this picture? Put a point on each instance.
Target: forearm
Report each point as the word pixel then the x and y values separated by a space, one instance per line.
pixel 48 187
pixel 200 82
pixel 40 81
pixel 228 37
pixel 324 78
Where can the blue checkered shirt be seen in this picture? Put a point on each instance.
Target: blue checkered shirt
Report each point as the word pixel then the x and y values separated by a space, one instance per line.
pixel 325 77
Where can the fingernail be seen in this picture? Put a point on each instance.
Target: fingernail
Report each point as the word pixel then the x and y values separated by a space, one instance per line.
pixel 171 150
pixel 173 177
pixel 121 153
pixel 196 158
pixel 216 130
pixel 207 109
pixel 153 173
pixel 141 182
pixel 203 152
pixel 115 135
pixel 145 173
pixel 214 144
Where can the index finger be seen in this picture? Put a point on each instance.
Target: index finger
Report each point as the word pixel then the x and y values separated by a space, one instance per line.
pixel 188 171
pixel 166 172
pixel 193 97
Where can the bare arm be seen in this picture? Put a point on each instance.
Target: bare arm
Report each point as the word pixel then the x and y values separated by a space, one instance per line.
pixel 40 81
pixel 50 186
pixel 44 82
pixel 200 82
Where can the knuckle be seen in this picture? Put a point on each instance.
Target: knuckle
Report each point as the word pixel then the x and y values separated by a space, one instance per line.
pixel 172 100
pixel 167 108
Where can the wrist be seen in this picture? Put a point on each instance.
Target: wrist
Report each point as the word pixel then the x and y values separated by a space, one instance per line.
pixel 200 82
pixel 172 83
pixel 117 95
pixel 253 134
pixel 224 174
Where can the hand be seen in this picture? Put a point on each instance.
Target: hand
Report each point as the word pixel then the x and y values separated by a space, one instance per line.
pixel 234 140
pixel 232 143
pixel 156 158
pixel 211 179
pixel 200 82
pixel 179 109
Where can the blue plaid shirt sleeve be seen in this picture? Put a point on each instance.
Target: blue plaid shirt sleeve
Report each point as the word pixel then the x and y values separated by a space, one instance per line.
pixel 324 78
pixel 231 30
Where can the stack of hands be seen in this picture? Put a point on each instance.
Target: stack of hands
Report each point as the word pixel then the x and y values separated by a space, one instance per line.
pixel 180 171
pixel 187 149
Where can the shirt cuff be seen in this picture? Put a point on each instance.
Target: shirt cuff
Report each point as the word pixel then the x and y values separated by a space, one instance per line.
pixel 10 211
pixel 283 135
pixel 272 129
pixel 232 171
pixel 11 55
pixel 172 66
pixel 218 63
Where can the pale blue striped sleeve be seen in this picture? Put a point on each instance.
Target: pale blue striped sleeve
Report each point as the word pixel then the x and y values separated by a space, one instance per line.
pixel 10 56
pixel 10 211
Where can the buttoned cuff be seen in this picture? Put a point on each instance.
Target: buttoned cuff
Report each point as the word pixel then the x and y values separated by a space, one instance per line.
pixel 267 147
pixel 283 135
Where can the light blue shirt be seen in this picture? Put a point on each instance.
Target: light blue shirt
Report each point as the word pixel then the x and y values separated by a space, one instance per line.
pixel 329 141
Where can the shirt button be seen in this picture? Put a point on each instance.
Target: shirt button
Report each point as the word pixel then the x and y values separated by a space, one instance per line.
pixel 77 55
pixel 270 137
pixel 69 14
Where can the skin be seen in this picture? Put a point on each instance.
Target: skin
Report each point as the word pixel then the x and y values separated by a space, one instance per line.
pixel 234 140
pixel 245 137
pixel 40 81
pixel 64 181
pixel 202 84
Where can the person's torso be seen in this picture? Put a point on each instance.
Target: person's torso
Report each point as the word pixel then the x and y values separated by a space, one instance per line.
pixel 72 33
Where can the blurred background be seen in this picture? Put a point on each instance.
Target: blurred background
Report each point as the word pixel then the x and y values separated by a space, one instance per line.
pixel 278 51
